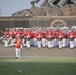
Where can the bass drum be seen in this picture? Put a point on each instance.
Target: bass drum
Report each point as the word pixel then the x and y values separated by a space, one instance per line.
pixel 60 39
pixel 27 39
pixel 71 39
pixel 49 39
pixel 39 39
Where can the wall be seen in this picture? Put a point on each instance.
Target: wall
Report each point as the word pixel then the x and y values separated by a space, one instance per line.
pixel 41 21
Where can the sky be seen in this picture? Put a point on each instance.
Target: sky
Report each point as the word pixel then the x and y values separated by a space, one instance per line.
pixel 8 7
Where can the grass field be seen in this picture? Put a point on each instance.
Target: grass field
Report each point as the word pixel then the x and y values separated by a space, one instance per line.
pixel 38 66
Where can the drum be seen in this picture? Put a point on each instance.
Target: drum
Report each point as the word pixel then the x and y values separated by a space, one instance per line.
pixel 27 39
pixel 39 39
pixel 71 38
pixel 49 39
pixel 60 39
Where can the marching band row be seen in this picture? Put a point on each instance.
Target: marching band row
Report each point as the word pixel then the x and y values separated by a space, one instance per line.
pixel 41 36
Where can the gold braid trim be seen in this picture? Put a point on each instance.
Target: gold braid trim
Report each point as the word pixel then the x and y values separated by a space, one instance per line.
pixel 18 42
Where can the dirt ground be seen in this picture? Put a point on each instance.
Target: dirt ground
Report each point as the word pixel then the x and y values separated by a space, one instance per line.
pixel 35 52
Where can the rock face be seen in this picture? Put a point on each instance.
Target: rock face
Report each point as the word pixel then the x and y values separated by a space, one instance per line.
pixel 73 10
pixel 56 12
pixel 66 10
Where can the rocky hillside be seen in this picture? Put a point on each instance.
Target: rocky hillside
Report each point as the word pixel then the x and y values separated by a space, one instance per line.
pixel 67 10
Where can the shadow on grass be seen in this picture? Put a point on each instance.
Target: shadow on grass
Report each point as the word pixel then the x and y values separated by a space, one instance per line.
pixel 37 67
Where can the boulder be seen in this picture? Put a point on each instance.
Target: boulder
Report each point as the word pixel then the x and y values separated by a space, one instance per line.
pixel 43 10
pixel 66 10
pixel 56 11
pixel 73 9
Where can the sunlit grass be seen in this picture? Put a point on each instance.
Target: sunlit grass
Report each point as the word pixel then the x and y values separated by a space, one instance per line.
pixel 54 60
pixel 38 66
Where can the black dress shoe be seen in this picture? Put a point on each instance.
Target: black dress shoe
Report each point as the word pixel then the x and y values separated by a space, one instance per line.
pixel 16 57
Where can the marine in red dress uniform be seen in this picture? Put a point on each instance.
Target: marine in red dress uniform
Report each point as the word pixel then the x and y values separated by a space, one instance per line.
pixel 18 42
pixel 44 39
pixel 71 36
pixel 35 38
pixel 39 38
pixel 28 35
pixel 49 36
pixel 60 36
pixel 11 37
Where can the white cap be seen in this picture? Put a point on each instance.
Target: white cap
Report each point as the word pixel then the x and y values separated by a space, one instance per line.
pixel 6 28
pixel 10 28
pixel 21 27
